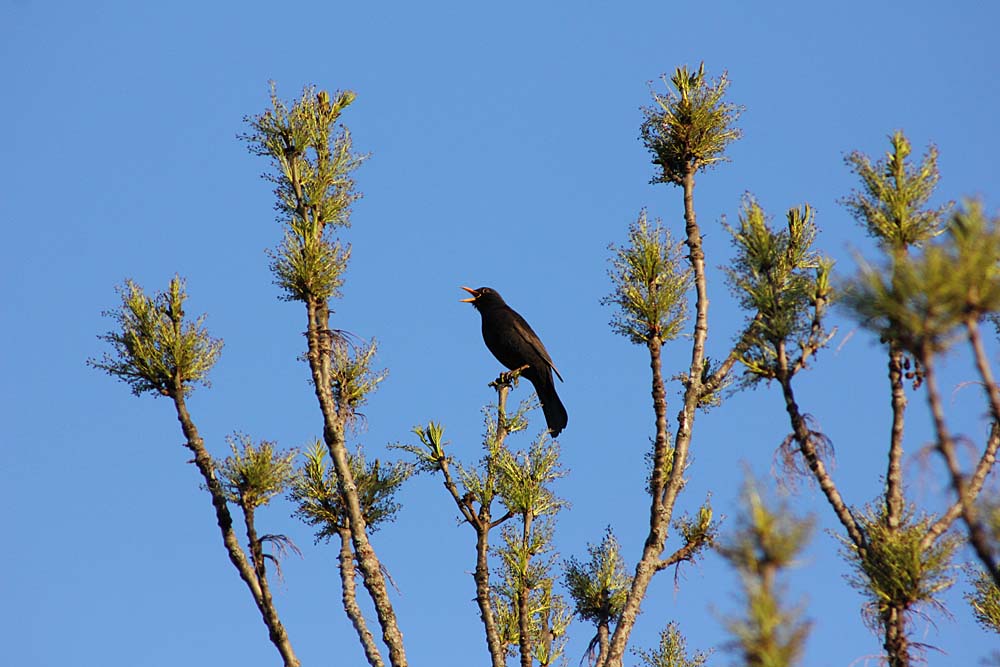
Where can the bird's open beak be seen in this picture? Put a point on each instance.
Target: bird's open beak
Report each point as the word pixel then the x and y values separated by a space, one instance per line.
pixel 474 293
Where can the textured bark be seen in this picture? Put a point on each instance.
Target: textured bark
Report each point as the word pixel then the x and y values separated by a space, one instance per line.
pixel 250 574
pixel 482 577
pixel 983 366
pixel 603 633
pixel 894 474
pixel 275 629
pixel 318 336
pixel 893 619
pixel 483 525
pixel 965 493
pixel 523 594
pixel 350 598
pixel 482 522
pixel 664 492
pixel 896 645
pixel 803 437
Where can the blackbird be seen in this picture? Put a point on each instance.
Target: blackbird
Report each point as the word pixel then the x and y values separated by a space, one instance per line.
pixel 515 345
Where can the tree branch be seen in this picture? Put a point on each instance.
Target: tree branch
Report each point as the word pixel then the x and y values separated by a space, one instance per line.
pixel 664 491
pixel 261 596
pixel 894 473
pixel 965 494
pixel 803 436
pixel 319 349
pixel 714 382
pixel 350 598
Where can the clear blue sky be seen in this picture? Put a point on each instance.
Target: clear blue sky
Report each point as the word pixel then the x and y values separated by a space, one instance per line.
pixel 504 153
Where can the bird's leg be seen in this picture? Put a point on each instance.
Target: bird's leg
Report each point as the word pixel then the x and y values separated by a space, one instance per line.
pixel 509 378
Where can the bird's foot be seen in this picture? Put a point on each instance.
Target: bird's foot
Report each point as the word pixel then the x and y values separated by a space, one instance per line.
pixel 509 378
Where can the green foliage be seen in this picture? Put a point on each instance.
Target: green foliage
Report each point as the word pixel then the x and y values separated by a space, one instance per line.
pixel 985 601
pixel 922 299
pixel 766 540
pixel 984 598
pixel 525 560
pixel 505 617
pixel 699 533
pixel 314 490
pixel 309 264
pixel 668 462
pixel 690 125
pixel 650 284
pixel 780 278
pixel 764 536
pixel 312 165
pixel 990 508
pixel 526 563
pixel 255 474
pixel 672 651
pixel 524 479
pixel 513 422
pixel 892 201
pixel 351 375
pixel 429 453
pixel 897 569
pixel 599 586
pixel 480 480
pixel 710 398
pixel 155 349
pixel 549 618
pixel 312 160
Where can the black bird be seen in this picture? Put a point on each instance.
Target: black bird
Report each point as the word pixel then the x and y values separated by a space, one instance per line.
pixel 515 345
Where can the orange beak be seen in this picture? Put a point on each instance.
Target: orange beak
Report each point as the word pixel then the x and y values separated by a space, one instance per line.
pixel 474 293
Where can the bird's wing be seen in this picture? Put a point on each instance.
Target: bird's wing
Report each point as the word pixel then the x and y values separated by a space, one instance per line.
pixel 527 334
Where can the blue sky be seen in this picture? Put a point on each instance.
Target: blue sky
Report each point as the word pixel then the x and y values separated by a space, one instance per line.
pixel 504 153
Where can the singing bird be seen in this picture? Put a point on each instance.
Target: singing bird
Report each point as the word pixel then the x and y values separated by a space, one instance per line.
pixel 516 345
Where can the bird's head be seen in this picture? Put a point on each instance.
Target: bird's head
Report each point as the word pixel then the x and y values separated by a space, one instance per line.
pixel 483 297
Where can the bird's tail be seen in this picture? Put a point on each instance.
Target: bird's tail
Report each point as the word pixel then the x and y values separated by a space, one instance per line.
pixel 555 413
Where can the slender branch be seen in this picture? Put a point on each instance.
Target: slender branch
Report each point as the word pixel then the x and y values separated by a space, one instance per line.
pixel 275 629
pixel 896 644
pixel 350 598
pixel 894 473
pixel 664 492
pixel 319 348
pixel 523 593
pixel 983 366
pixel 203 461
pixel 603 631
pixel 679 556
pixel 714 382
pixel 803 436
pixel 658 517
pixel 482 522
pixel 975 485
pixel 989 456
pixel 464 506
pixel 482 578
pixel 965 494
pixel 693 388
pixel 817 339
pixel 496 647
